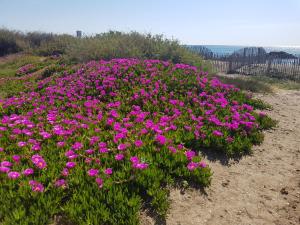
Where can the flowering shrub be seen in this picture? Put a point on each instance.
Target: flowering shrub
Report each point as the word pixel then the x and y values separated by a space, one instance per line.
pixel 28 68
pixel 94 144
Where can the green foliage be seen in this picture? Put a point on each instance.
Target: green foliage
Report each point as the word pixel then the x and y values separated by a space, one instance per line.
pixel 112 44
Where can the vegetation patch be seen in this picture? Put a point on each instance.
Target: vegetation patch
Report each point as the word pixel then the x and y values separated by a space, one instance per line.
pixel 96 144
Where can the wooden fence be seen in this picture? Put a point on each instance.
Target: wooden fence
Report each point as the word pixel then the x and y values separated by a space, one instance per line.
pixel 273 67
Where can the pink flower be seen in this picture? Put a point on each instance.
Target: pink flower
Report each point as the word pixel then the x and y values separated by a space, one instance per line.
pixel 70 165
pixel 28 171
pixel 1 149
pixel 60 144
pixel 93 172
pixel 119 157
pixel 77 146
pixel 61 183
pixel 161 139
pixel 16 158
pixel 13 175
pixel 122 147
pixel 36 186
pixel 22 143
pixel 36 147
pixel 172 149
pixel 45 135
pixel 65 172
pixel 41 164
pixel 138 143
pixel 89 151
pixel 6 163
pixel 108 171
pixel 190 154
pixel 192 165
pixel 99 181
pixel 134 159
pixel 217 133
pixel 102 145
pixel 4 169
pixel 140 166
pixel 103 150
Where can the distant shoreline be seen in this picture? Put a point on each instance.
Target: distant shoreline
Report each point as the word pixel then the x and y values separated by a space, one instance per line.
pixel 229 49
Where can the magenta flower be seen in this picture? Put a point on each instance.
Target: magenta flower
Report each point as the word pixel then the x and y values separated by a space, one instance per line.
pixel 102 145
pixel 140 166
pixel 60 144
pixel 103 150
pixel 36 147
pixel 16 158
pixel 192 166
pixel 217 133
pixel 13 175
pixel 93 172
pixel 119 157
pixel 108 171
pixel 4 169
pixel 77 146
pixel 190 154
pixel 1 149
pixel 41 164
pixel 38 161
pixel 89 151
pixel 45 135
pixel 65 172
pixel 88 160
pixel 138 143
pixel 172 149
pixel 122 147
pixel 6 163
pixel 22 143
pixel 134 159
pixel 28 171
pixel 60 183
pixel 70 165
pixel 36 186
pixel 161 139
pixel 99 181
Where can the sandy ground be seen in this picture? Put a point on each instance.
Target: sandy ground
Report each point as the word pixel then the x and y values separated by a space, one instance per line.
pixel 259 189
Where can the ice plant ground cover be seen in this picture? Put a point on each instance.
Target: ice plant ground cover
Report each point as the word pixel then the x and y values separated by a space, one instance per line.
pixel 97 144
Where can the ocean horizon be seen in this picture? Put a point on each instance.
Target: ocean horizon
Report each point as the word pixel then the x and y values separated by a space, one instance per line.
pixel 229 49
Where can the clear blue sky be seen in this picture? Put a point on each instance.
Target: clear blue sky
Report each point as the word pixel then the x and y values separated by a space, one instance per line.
pixel 237 22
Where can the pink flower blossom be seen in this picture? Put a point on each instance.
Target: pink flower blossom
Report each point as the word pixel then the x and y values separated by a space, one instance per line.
pixel 4 169
pixel 192 165
pixel 13 175
pixel 190 154
pixel 28 171
pixel 61 183
pixel 119 157
pixel 161 139
pixel 99 181
pixel 217 133
pixel 70 165
pixel 108 171
pixel 93 172
pixel 36 186
pixel 138 143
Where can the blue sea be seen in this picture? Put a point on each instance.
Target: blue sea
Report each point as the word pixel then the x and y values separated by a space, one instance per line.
pixel 229 49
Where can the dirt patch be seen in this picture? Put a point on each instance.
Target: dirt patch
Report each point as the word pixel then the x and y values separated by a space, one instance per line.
pixel 261 189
